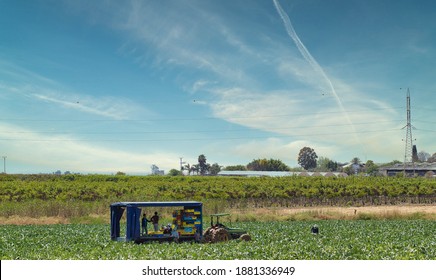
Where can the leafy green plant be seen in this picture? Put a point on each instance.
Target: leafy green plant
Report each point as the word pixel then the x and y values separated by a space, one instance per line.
pixel 82 195
pixel 337 240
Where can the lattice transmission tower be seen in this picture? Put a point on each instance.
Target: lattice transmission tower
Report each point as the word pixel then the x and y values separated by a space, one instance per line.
pixel 408 151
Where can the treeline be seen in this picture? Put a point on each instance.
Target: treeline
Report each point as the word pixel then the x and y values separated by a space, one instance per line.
pixel 258 191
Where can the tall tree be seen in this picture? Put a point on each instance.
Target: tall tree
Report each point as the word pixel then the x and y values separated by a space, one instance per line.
pixel 203 165
pixel 194 168
pixel 307 158
pixel 188 167
pixel 414 154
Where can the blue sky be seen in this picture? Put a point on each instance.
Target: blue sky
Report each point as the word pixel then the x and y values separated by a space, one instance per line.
pixel 107 86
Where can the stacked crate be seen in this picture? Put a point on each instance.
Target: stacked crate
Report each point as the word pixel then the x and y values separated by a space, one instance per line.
pixel 188 221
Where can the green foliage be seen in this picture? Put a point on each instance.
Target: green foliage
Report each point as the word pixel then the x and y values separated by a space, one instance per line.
pixel 282 190
pixel 371 168
pixel 307 158
pixel 337 240
pixel 202 165
pixel 214 169
pixel 267 165
pixel 235 168
pixel 175 172
pixel 76 196
pixel 326 165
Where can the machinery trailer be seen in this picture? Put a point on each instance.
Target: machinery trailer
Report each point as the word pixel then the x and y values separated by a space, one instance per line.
pixel 187 221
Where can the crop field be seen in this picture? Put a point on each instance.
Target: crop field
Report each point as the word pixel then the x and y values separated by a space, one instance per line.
pixel 337 240
pixel 47 217
pixel 72 197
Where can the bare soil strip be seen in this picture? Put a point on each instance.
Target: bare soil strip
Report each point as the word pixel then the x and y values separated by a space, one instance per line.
pixel 260 214
pixel 351 211
pixel 339 213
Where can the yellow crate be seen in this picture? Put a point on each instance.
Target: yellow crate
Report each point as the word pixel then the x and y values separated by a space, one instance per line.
pixel 183 232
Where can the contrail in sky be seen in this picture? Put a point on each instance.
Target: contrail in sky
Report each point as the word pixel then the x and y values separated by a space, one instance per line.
pixel 309 58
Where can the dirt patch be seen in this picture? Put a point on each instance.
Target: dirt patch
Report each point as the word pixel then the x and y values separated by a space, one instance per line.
pixel 270 214
pixel 339 213
pixel 377 210
pixel 18 220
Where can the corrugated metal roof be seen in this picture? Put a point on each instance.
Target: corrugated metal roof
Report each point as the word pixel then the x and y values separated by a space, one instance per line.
pixel 277 173
pixel 409 166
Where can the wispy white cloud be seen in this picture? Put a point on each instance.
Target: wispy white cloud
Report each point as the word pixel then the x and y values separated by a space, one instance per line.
pixel 109 107
pixel 309 58
pixel 227 67
pixel 26 147
pixel 25 83
pixel 17 74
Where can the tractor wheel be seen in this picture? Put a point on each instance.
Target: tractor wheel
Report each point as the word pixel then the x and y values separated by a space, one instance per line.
pixel 220 235
pixel 207 235
pixel 245 237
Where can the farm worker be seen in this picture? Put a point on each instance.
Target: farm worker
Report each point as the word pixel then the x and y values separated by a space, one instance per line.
pixel 174 232
pixel 144 223
pixel 155 221
pixel 314 229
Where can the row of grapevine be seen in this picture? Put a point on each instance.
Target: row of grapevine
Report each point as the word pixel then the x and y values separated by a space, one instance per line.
pixel 300 190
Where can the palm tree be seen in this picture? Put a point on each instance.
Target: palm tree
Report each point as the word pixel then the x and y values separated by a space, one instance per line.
pixel 203 166
pixel 194 168
pixel 187 167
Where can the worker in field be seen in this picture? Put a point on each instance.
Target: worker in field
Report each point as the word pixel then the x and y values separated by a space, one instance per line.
pixel 315 229
pixel 145 222
pixel 155 220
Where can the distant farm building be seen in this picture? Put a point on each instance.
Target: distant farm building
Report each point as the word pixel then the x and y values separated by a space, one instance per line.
pixel 423 169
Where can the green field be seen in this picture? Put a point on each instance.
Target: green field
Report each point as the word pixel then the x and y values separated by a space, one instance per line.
pixel 76 196
pixel 338 240
pixel 74 211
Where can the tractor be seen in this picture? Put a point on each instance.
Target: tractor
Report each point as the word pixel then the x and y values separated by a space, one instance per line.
pixel 218 232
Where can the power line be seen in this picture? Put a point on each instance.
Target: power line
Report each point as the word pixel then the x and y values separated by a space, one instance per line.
pixel 195 118
pixel 195 139
pixel 195 131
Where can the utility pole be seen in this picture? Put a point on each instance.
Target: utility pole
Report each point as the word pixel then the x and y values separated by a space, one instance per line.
pixel 4 164
pixel 408 150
